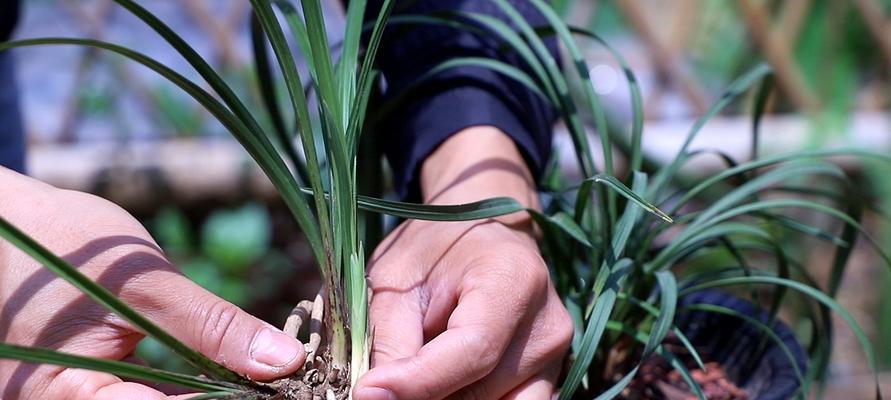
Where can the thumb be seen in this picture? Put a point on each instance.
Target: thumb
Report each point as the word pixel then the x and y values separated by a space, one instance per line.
pixel 219 329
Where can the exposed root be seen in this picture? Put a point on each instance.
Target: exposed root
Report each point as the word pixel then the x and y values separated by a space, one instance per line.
pixel 315 328
pixel 317 380
pixel 298 316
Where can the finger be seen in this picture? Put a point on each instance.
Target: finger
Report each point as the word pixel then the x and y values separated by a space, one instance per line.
pixel 127 390
pixel 537 349
pixel 397 322
pixel 216 328
pixel 479 331
pixel 538 387
pixel 522 361
pixel 79 384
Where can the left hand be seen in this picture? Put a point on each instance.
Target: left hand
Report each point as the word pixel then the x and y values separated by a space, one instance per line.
pixel 105 243
pixel 466 310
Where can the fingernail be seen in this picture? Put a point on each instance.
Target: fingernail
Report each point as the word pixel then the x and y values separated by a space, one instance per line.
pixel 274 348
pixel 374 393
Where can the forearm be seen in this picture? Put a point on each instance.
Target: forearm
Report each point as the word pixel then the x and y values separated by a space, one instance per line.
pixel 478 163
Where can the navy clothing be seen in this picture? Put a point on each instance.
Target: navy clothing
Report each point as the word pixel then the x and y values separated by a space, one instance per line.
pixel 452 100
pixel 459 97
pixel 12 134
pixel 9 13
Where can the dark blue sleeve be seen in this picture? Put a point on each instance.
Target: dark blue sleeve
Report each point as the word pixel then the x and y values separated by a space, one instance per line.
pixel 12 137
pixel 9 15
pixel 459 97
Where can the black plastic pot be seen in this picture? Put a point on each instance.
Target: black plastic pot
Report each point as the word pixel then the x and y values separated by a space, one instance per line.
pixel 734 343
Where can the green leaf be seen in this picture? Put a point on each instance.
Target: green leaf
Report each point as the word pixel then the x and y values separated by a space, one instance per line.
pixel 367 75
pixel 349 55
pixel 597 321
pixel 323 246
pixel 789 203
pixel 564 223
pixel 668 294
pixel 770 161
pixel 207 73
pixel 735 89
pixel 405 95
pixel 679 366
pixel 676 251
pixel 849 234
pixel 615 390
pixel 257 145
pixel 672 359
pixel 298 31
pixel 760 103
pixel 637 114
pixel 118 368
pixel 482 209
pixel 322 66
pixel 653 311
pixel 266 84
pixel 102 296
pixel 516 43
pixel 567 106
pixel 619 187
pixel 581 69
pixel 495 65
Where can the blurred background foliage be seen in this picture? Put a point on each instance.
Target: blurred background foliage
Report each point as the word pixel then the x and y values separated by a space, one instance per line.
pixel 106 126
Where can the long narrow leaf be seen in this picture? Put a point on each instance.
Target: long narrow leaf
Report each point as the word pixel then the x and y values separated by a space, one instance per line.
pixel 266 84
pixel 298 101
pixel 102 296
pixel 257 145
pixel 668 294
pixel 322 65
pixel 489 208
pixel 366 78
pixel 619 187
pixel 637 114
pixel 118 368
pixel 591 98
pixel 597 320
pixel 580 139
pixel 733 91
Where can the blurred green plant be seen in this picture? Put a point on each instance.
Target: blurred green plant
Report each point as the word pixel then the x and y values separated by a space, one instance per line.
pixel 237 238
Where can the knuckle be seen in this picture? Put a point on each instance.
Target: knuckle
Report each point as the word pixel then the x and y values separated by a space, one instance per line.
pixel 564 329
pixel 215 321
pixel 485 353
pixel 531 271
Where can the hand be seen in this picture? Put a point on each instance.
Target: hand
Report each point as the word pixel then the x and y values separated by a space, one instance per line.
pixel 466 310
pixel 40 310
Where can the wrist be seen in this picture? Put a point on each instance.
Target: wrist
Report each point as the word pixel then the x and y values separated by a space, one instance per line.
pixel 478 163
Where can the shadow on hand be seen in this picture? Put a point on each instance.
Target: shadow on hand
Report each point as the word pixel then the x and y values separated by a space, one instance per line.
pixel 81 313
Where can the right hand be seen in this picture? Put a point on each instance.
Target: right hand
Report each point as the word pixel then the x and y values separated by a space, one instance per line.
pixel 38 309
